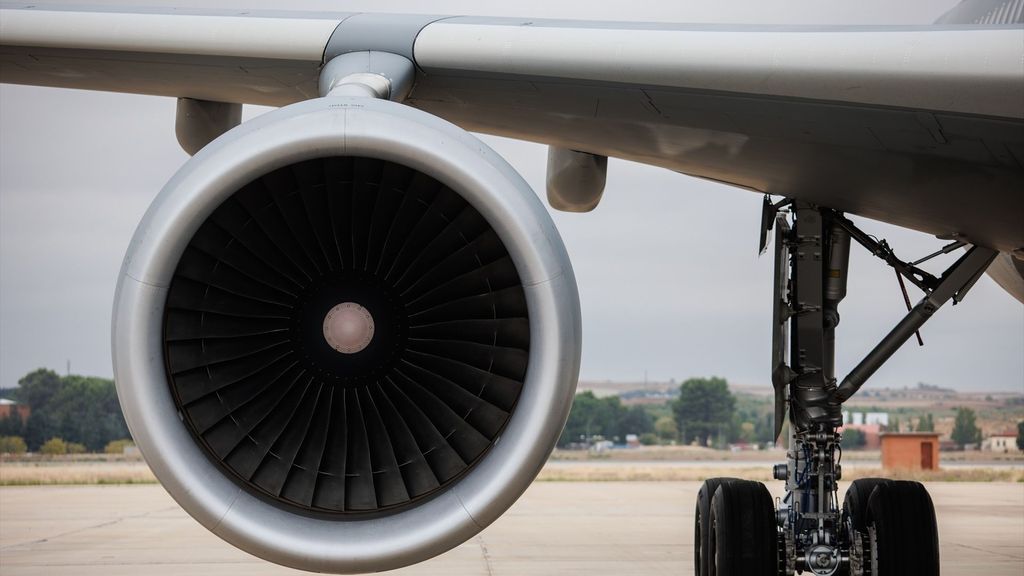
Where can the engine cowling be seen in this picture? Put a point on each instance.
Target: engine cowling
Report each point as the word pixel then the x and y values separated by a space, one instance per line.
pixel 1008 271
pixel 346 336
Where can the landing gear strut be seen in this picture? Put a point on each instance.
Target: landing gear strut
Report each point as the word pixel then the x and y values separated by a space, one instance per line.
pixel 884 527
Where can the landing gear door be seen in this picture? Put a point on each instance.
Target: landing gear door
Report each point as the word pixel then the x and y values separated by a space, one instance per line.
pixel 781 373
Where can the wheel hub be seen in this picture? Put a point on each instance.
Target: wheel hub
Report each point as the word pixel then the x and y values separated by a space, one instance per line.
pixel 823 560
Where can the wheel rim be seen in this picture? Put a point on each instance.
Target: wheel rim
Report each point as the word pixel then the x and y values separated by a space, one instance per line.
pixel 713 547
pixel 698 539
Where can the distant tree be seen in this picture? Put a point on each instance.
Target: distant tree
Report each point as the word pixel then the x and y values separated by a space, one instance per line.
pixel 1020 435
pixel 37 388
pixel 11 425
pixel 76 448
pixel 926 423
pixel 12 445
pixel 39 428
pixel 117 446
pixel 635 420
pixel 747 432
pixel 764 428
pixel 720 441
pixel 53 447
pixel 77 408
pixel 87 411
pixel 965 429
pixel 704 410
pixel 894 424
pixel 607 417
pixel 666 428
pixel 584 419
pixel 853 439
pixel 649 439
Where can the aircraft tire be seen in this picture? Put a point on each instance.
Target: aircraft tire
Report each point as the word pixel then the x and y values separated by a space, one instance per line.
pixel 744 534
pixel 902 530
pixel 855 504
pixel 702 524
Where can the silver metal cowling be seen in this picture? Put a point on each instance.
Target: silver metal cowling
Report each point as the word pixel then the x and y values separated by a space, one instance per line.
pixel 373 129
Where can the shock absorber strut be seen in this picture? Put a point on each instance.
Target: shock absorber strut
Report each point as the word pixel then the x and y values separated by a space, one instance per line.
pixel 811 266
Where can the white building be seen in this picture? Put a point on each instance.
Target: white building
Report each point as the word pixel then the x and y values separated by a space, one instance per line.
pixel 866 418
pixel 1006 442
pixel 880 418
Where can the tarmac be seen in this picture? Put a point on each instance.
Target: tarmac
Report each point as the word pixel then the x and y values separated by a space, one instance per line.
pixel 557 528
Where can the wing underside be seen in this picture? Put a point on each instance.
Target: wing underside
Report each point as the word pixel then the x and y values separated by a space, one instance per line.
pixel 903 124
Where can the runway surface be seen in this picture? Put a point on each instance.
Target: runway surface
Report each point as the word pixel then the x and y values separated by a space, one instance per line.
pixel 557 528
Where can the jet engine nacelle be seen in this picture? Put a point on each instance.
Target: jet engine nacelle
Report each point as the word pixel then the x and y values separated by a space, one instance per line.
pixel 346 336
pixel 1008 271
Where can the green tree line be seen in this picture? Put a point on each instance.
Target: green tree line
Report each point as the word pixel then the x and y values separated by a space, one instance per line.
pixel 705 413
pixel 606 417
pixel 80 410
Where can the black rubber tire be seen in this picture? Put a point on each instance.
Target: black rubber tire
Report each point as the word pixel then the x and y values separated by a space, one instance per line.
pixel 855 504
pixel 702 523
pixel 744 532
pixel 906 538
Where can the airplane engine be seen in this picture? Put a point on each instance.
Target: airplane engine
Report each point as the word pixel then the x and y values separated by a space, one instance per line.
pixel 346 336
pixel 1008 271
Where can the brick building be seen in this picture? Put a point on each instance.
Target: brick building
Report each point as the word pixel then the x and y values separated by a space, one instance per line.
pixel 910 450
pixel 8 407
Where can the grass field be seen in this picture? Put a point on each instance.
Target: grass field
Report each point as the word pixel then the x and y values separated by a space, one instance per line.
pixel 57 472
pixel 85 471
pixel 646 473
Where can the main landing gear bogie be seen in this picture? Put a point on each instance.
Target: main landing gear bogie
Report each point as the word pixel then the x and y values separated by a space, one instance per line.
pixel 888 527
pixel 884 527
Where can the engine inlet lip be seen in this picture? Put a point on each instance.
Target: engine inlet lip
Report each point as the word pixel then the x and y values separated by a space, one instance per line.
pixel 422 142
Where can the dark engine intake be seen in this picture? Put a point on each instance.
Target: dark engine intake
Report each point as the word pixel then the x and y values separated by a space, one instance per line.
pixel 437 301
pixel 346 336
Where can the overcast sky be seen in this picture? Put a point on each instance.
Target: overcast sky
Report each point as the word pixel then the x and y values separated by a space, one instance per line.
pixel 667 266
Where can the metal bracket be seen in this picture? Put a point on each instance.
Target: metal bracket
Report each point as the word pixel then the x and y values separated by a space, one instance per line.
pixel 769 216
pixel 380 75
pixel 881 249
pixel 954 284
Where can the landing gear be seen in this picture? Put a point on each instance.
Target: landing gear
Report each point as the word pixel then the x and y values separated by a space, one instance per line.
pixel 884 527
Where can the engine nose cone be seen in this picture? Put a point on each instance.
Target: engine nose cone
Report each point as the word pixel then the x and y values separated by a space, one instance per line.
pixel 348 328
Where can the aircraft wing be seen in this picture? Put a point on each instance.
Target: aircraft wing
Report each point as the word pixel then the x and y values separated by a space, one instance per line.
pixel 901 124
pixel 917 126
